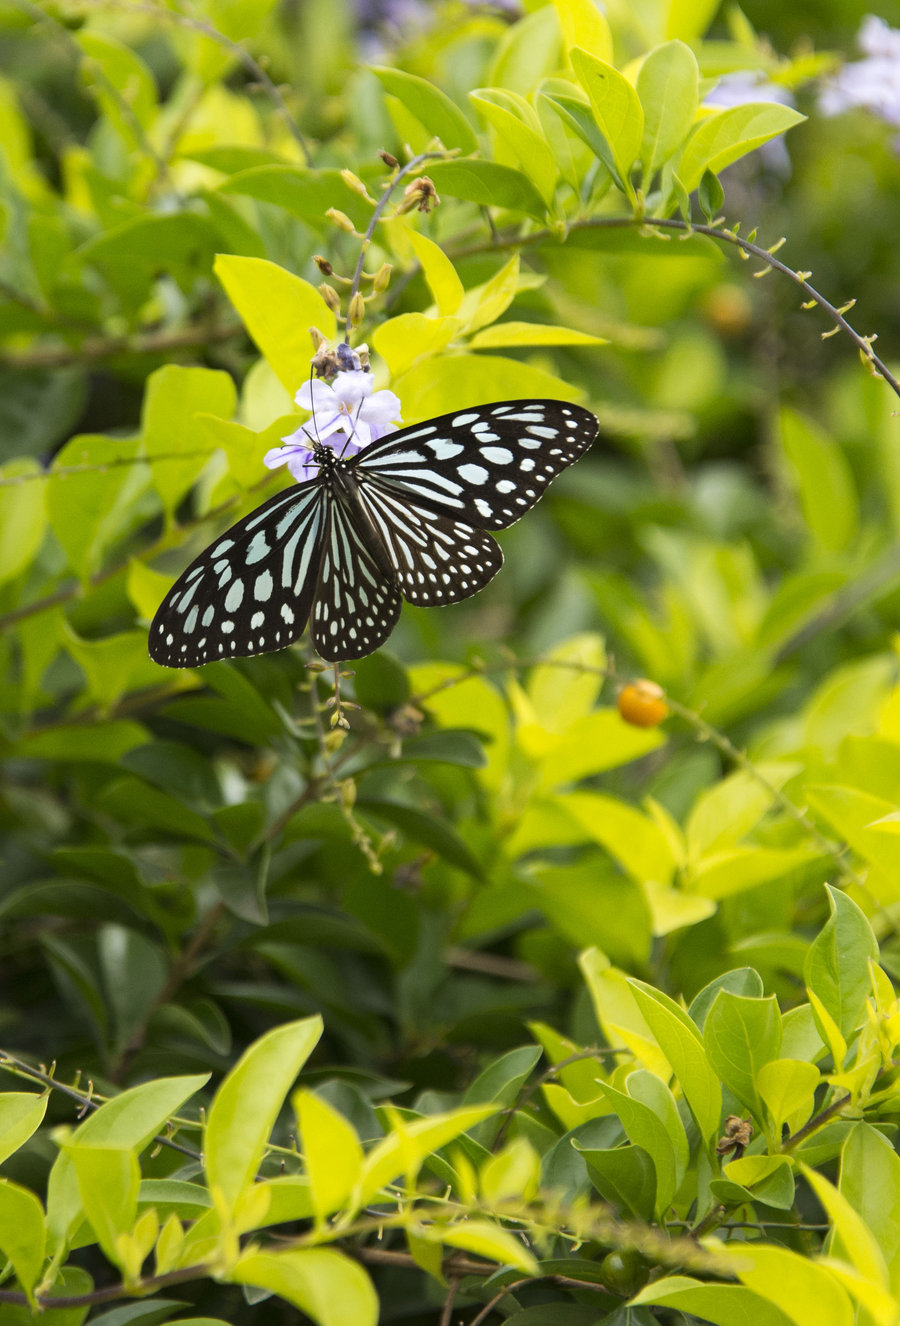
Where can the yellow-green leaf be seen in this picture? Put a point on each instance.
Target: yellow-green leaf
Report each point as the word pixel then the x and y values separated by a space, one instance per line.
pixel 277 308
pixel 531 333
pixel 616 107
pixel 443 282
pixel 332 1154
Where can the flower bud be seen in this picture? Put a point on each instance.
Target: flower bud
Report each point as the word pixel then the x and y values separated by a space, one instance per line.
pixel 382 278
pixel 341 220
pixel 331 297
pixel 357 310
pixel 355 183
pixel 389 159
pixel 323 265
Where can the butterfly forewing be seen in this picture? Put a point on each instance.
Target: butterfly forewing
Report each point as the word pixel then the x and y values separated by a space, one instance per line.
pixel 485 466
pixel 436 560
pixel 356 604
pixel 251 591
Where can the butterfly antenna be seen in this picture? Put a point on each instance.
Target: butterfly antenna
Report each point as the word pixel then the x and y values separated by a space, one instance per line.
pixel 352 433
pixel 313 400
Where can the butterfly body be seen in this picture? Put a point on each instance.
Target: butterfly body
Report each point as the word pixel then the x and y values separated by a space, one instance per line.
pixel 406 518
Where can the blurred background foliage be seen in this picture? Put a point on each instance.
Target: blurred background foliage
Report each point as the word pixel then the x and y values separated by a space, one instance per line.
pixel 190 859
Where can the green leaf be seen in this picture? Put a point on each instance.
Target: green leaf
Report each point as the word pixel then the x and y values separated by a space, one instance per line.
pixel 248 1102
pixel 740 1035
pixel 427 829
pixel 90 510
pixel 601 741
pixel 380 682
pixel 853 814
pixel 824 481
pixel 576 113
pixel 565 688
pixel 109 1178
pixel 499 1084
pixel 332 1154
pixel 486 1240
pixel 129 1120
pixel 136 803
pixel 852 1241
pixel 667 85
pixel 431 107
pixel 725 1305
pixel 625 1176
pixel 109 742
pixel 494 297
pixel 489 184
pixel 23 1235
pixel 583 24
pixel 530 333
pixel 134 976
pixel 306 194
pixel 837 964
pixel 407 1145
pixel 787 1086
pixel 682 1044
pixel 647 1129
pixel 121 84
pixel 765 1179
pixel 410 338
pixel 23 516
pixel 870 1181
pixel 806 1292
pixel 710 196
pixel 330 1288
pixel 21 1114
pixel 173 398
pixel 567 895
pixel 441 275
pixel 689 18
pixel 616 107
pixel 131 254
pixel 634 839
pixel 518 126
pixel 437 386
pixel 727 135
pixel 277 309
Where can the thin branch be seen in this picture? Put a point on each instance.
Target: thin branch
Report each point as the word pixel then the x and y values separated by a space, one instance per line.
pixel 240 53
pixel 87 1100
pixel 719 233
pixel 67 593
pixel 107 347
pixel 114 463
pixel 382 203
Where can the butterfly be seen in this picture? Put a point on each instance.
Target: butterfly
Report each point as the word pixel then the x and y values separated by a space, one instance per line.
pixel 405 518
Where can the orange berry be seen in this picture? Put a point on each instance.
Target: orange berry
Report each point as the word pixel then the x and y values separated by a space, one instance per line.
pixel 642 703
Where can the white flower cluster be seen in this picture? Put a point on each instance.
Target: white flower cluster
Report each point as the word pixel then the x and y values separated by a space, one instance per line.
pixel 872 83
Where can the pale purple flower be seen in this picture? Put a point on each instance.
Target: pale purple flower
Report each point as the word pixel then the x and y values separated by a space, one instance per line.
pixel 872 83
pixel 347 415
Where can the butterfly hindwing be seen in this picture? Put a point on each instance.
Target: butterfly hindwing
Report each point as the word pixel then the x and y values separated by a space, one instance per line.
pixel 356 604
pixel 485 466
pixel 435 560
pixel 251 591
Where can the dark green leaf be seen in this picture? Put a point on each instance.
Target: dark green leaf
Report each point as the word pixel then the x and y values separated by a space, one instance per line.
pixel 426 829
pixel 489 184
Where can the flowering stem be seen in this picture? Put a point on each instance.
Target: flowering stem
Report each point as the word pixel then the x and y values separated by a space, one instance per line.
pixel 382 203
